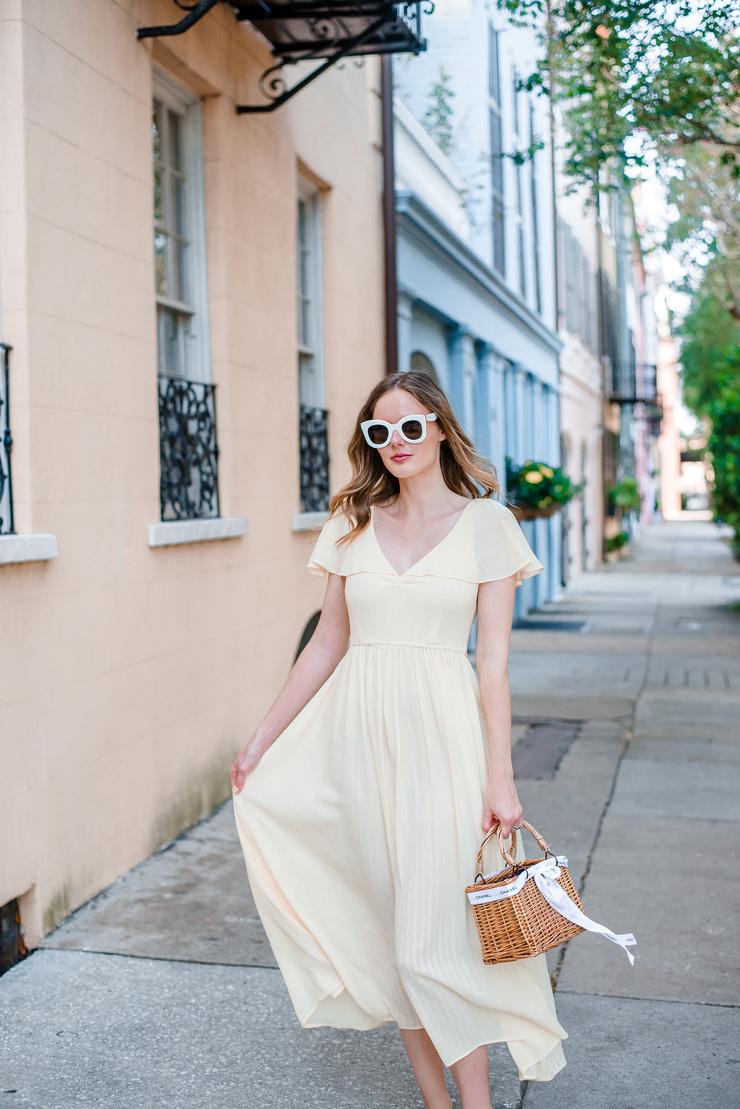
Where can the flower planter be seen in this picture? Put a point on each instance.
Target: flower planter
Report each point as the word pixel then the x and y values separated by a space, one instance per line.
pixel 539 483
pixel 524 512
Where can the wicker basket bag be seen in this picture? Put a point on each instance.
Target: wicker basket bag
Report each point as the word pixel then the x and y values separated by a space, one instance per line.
pixel 519 924
pixel 530 906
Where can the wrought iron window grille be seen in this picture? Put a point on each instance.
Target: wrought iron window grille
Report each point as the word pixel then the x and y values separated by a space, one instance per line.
pixel 188 449
pixel 7 524
pixel 324 31
pixel 314 458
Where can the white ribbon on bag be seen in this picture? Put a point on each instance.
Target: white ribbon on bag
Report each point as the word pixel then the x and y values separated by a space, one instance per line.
pixel 545 874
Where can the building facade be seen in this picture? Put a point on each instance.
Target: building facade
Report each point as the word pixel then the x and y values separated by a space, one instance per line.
pixel 194 301
pixel 476 261
pixel 581 371
pixel 629 354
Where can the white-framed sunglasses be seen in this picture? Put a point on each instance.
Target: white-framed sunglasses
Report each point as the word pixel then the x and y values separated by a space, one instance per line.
pixel 411 428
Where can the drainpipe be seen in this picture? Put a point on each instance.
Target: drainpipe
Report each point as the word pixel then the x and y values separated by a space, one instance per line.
pixel 389 217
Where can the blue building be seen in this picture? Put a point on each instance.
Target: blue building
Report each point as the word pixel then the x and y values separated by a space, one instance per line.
pixel 476 248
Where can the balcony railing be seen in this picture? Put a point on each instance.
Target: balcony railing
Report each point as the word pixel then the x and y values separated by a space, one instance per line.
pixel 634 383
pixel 314 454
pixel 7 526
pixel 188 449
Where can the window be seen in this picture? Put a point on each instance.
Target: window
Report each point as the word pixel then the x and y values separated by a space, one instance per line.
pixel 309 300
pixel 420 361
pixel 519 173
pixel 566 553
pixel 584 502
pixel 535 210
pixel 179 234
pixel 497 151
pixel 579 300
pixel 314 443
pixel 187 417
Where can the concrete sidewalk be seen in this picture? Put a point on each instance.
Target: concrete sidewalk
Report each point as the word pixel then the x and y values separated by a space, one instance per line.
pixel 162 991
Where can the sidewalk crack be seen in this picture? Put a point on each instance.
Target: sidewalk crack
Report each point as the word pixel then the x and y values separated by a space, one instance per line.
pixel 628 734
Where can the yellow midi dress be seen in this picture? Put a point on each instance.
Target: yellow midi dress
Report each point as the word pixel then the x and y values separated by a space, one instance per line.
pixel 360 825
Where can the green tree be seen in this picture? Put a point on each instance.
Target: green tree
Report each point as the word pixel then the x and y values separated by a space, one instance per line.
pixel 706 193
pixel 724 446
pixel 710 334
pixel 628 71
pixel 710 357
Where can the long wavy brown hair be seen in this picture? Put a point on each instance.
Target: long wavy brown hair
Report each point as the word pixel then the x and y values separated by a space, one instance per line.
pixel 464 470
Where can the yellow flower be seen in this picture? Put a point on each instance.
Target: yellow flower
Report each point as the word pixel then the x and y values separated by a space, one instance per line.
pixel 534 478
pixel 547 471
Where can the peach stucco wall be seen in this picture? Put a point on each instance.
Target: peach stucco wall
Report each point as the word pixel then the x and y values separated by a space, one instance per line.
pixel 131 676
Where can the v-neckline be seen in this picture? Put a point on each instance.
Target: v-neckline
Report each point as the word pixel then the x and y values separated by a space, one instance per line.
pixel 424 556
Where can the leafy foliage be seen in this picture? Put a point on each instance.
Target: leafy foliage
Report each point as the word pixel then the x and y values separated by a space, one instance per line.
pixel 709 335
pixel 626 494
pixel 438 116
pixel 537 485
pixel 656 69
pixel 711 380
pixel 724 444
pixel 707 195
pixel 616 542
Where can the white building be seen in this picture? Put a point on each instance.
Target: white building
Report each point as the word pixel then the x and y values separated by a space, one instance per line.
pixel 476 245
pixel 580 245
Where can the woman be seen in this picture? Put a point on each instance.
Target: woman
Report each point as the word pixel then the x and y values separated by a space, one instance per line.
pixel 362 796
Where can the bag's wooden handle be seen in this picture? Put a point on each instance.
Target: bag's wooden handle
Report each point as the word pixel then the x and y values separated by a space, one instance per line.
pixel 509 855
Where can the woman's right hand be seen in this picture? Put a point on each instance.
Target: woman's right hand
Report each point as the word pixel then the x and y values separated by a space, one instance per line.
pixel 243 765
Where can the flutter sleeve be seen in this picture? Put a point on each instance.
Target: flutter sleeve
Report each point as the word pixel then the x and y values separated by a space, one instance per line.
pixel 326 558
pixel 500 548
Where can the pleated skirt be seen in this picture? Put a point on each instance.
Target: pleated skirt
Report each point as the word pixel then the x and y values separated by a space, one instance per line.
pixel 360 829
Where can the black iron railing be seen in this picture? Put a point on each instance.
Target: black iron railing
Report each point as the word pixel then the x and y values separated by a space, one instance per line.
pixel 314 454
pixel 188 449
pixel 634 383
pixel 7 526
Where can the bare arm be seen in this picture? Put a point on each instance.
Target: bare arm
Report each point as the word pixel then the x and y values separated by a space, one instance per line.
pixel 316 662
pixel 495 612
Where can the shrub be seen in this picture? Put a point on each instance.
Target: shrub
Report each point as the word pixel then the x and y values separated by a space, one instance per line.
pixel 626 494
pixel 616 542
pixel 537 485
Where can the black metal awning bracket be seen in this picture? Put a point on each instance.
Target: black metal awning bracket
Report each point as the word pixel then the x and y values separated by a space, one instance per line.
pixel 194 14
pixel 308 30
pixel 276 83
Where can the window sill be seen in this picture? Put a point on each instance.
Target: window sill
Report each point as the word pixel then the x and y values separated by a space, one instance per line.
pixel 307 521
pixel 28 548
pixel 171 533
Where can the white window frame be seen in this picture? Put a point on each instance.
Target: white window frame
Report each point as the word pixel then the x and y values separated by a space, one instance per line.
pixel 312 382
pixel 517 131
pixel 498 213
pixel 534 209
pixel 179 99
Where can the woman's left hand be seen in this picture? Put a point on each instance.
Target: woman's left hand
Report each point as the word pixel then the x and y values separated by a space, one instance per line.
pixel 501 805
